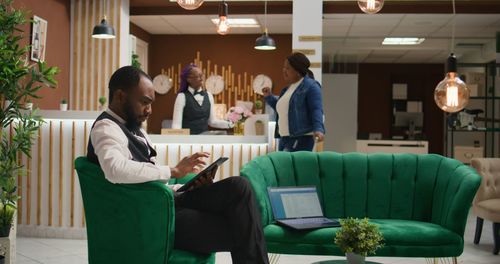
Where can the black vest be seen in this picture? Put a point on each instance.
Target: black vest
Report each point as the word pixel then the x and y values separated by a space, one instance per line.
pixel 137 147
pixel 195 116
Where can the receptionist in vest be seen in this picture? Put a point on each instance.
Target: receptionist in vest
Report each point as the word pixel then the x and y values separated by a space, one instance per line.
pixel 193 106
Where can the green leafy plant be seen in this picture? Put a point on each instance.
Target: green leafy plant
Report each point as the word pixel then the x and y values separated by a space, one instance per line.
pixel 135 61
pixel 19 81
pixel 358 236
pixel 258 104
pixel 63 101
pixel 102 100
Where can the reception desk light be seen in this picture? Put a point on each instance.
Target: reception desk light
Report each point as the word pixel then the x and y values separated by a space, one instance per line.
pixel 265 42
pixel 370 6
pixel 451 94
pixel 223 25
pixel 190 4
pixel 103 30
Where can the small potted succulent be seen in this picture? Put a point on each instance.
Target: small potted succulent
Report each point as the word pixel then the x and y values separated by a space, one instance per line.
pixel 357 238
pixel 102 102
pixel 258 107
pixel 64 105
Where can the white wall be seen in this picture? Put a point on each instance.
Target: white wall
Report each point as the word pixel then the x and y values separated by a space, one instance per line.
pixel 340 104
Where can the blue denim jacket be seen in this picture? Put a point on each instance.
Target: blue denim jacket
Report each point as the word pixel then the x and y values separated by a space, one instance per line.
pixel 305 112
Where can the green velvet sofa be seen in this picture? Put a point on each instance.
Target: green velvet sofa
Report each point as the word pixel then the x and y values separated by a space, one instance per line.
pixel 130 223
pixel 419 202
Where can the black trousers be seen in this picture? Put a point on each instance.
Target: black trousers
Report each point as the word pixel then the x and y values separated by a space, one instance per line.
pixel 221 217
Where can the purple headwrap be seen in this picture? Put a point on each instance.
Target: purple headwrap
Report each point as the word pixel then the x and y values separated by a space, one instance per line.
pixel 184 76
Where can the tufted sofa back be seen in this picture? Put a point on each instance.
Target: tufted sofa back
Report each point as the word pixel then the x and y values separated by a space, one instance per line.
pixel 426 188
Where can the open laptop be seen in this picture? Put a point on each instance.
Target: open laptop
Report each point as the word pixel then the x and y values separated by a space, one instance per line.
pixel 298 208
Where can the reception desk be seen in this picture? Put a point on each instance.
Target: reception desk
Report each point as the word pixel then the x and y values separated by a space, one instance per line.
pixel 51 203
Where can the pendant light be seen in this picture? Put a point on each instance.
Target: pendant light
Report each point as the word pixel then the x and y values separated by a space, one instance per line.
pixel 190 4
pixel 223 25
pixel 103 30
pixel 452 94
pixel 265 42
pixel 370 6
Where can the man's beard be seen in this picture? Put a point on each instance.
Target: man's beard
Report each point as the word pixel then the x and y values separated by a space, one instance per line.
pixel 132 122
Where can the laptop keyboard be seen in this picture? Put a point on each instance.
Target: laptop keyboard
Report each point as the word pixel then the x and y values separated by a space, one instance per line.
pixel 300 221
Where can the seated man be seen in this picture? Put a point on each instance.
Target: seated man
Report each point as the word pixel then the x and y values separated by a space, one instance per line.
pixel 219 216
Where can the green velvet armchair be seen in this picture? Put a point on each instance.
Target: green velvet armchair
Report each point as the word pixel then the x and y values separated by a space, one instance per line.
pixel 129 223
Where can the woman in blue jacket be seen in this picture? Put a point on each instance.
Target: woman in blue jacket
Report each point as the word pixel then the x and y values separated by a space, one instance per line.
pixel 299 106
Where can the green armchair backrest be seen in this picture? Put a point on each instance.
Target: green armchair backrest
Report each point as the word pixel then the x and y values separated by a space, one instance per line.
pixel 429 188
pixel 129 223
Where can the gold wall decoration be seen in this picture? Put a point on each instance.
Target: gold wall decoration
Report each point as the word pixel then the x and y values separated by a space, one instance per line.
pixel 306 51
pixel 237 86
pixel 310 38
pixel 315 65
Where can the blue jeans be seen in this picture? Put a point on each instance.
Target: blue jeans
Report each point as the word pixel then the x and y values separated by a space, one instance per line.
pixel 292 144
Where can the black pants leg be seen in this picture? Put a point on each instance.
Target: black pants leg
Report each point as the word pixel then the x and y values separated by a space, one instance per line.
pixel 221 217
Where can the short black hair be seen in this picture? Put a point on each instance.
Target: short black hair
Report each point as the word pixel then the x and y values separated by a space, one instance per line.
pixel 125 79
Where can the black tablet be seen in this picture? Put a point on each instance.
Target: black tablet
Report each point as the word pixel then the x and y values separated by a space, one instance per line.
pixel 209 171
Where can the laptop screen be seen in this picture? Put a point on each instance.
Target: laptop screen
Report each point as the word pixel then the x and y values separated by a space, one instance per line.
pixel 294 202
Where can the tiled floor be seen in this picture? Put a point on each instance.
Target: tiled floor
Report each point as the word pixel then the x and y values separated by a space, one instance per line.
pixel 63 251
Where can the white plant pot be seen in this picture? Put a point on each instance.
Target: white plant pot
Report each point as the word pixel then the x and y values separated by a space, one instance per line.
pixel 258 111
pixel 6 104
pixel 353 258
pixel 63 107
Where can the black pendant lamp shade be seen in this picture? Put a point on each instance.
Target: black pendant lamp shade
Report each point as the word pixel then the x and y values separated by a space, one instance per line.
pixel 103 30
pixel 265 42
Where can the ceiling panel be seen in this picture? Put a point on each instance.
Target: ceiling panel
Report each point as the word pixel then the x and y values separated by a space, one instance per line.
pixel 362 34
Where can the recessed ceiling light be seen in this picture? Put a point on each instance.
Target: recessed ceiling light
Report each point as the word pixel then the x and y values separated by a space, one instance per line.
pixel 239 22
pixel 402 41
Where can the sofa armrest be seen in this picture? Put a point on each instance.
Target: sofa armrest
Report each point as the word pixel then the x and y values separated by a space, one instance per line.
pixel 457 199
pixel 259 182
pixel 126 223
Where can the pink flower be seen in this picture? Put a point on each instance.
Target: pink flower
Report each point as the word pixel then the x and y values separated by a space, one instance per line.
pixel 238 114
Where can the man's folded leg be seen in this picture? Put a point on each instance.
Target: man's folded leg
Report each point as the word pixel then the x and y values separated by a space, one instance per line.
pixel 228 209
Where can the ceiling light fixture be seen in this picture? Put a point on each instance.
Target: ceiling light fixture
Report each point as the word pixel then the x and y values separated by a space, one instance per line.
pixel 370 6
pixel 265 42
pixel 190 4
pixel 103 30
pixel 239 22
pixel 451 94
pixel 223 25
pixel 402 41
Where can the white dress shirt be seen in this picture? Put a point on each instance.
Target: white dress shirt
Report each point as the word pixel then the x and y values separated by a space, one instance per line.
pixel 111 147
pixel 180 103
pixel 282 107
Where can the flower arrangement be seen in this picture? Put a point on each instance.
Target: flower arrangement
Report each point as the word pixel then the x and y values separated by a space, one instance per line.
pixel 358 236
pixel 238 114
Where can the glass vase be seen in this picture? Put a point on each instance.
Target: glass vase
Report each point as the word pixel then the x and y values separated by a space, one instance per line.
pixel 239 129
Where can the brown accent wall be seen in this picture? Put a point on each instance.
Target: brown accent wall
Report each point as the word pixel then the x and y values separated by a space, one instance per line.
pixel 375 93
pixel 57 13
pixel 139 32
pixel 235 50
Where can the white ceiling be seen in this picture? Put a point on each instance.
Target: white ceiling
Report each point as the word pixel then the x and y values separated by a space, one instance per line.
pixel 358 37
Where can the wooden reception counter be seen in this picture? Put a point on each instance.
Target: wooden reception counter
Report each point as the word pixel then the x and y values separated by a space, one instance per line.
pixel 51 203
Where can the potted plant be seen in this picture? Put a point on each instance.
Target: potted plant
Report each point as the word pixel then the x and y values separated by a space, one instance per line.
pixel 358 238
pixel 259 128
pixel 64 105
pixel 102 102
pixel 28 105
pixel 20 82
pixel 258 107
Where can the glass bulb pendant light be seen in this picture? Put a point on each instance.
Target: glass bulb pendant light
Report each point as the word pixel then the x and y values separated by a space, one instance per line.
pixel 451 94
pixel 370 6
pixel 223 25
pixel 190 4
